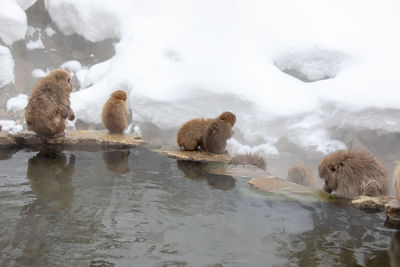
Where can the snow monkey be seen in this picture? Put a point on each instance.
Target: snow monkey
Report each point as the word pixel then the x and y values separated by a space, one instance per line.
pixel 114 113
pixel 190 134
pixel 397 182
pixel 302 175
pixel 217 132
pixel 352 173
pixel 250 159
pixel 49 105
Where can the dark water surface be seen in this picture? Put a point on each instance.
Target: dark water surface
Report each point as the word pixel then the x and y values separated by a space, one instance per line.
pixel 139 208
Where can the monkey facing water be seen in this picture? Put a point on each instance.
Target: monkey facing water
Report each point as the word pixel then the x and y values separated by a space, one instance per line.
pixel 352 173
pixel 114 113
pixel 49 105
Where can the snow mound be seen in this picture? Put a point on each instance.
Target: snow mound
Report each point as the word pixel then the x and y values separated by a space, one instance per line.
pixel 310 65
pixel 6 66
pixel 17 103
pixel 13 22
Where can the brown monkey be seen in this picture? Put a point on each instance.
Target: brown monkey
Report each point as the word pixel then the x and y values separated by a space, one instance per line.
pixel 190 134
pixel 217 132
pixel 352 173
pixel 397 181
pixel 302 175
pixel 250 159
pixel 49 105
pixel 114 113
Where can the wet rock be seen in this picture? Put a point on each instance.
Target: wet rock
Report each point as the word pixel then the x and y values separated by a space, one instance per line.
pixel 392 209
pixel 6 140
pixel 72 139
pixel 196 156
pixel 370 203
pixel 275 184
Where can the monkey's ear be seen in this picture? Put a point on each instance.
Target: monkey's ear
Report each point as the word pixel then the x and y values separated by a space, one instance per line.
pixel 331 167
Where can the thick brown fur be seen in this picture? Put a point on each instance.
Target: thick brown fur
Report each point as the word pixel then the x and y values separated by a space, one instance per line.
pixel 352 173
pixel 397 181
pixel 302 175
pixel 49 105
pixel 218 131
pixel 190 134
pixel 114 113
pixel 250 159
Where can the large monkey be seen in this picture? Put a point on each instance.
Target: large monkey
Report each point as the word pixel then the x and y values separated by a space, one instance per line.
pixel 49 105
pixel 352 173
pixel 217 132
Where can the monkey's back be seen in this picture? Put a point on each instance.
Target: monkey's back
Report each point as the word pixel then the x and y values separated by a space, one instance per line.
pixel 43 116
pixel 190 134
pixel 114 115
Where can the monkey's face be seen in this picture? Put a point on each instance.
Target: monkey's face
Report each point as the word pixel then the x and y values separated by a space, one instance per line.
pixel 328 172
pixel 69 83
pixel 228 117
pixel 119 94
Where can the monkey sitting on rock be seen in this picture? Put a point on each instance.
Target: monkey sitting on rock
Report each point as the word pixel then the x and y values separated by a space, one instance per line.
pixel 114 113
pixel 208 134
pixel 49 105
pixel 352 173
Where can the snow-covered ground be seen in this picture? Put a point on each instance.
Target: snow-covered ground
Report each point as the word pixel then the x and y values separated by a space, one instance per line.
pixel 285 68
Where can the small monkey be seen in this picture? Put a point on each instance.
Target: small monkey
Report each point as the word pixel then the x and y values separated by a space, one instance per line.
pixel 302 175
pixel 352 173
pixel 250 159
pixel 190 134
pixel 49 105
pixel 217 132
pixel 114 113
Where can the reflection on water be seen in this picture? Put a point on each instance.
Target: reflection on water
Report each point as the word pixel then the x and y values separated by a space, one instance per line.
pixel 50 178
pixel 156 216
pixel 394 251
pixel 195 170
pixel 117 161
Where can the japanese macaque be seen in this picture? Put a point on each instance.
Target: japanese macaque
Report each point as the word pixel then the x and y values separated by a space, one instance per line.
pixel 50 179
pixel 302 175
pixel 117 161
pixel 49 105
pixel 397 182
pixel 190 134
pixel 114 113
pixel 250 159
pixel 352 173
pixel 217 132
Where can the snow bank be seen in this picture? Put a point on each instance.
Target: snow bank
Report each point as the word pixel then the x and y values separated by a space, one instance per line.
pixel 13 24
pixel 285 68
pixel 10 126
pixel 17 103
pixel 6 66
